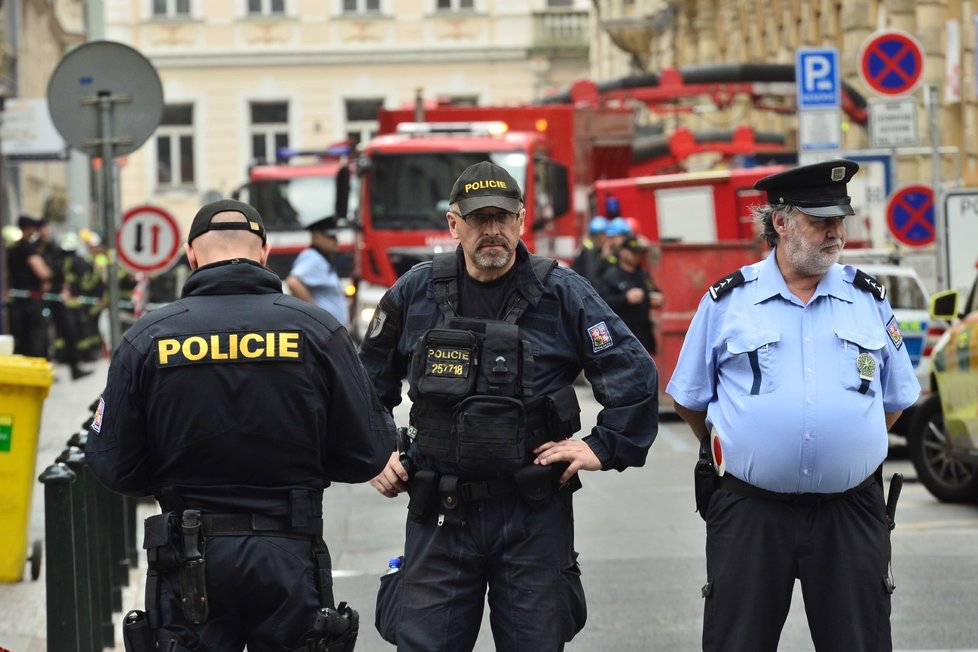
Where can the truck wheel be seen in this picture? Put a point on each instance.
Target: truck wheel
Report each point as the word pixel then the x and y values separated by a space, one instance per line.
pixel 948 478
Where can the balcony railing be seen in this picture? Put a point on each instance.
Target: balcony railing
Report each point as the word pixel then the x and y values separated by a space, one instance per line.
pixel 561 32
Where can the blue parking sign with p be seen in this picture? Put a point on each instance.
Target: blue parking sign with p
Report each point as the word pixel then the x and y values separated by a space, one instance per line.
pixel 817 78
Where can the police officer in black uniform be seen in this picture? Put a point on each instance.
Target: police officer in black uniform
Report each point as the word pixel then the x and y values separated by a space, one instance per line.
pixel 30 277
pixel 235 406
pixel 492 339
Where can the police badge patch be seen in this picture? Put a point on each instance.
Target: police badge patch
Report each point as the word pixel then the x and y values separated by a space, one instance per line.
pixel 600 337
pixel 377 324
pixel 893 330
pixel 99 411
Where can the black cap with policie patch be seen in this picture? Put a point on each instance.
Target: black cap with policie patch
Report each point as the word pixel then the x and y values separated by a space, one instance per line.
pixel 202 220
pixel 818 190
pixel 486 184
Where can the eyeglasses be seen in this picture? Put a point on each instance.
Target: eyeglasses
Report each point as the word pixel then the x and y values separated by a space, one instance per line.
pixel 481 220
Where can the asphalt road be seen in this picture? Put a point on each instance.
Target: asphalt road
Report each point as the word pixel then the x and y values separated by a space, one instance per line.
pixel 642 557
pixel 641 547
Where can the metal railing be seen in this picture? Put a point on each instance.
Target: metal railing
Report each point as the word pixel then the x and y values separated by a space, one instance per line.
pixel 90 547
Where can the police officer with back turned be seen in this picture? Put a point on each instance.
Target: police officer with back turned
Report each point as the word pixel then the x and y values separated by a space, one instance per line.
pixel 235 406
pixel 791 374
pixel 491 339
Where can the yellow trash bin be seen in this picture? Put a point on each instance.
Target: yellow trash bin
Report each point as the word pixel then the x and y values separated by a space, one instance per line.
pixel 24 384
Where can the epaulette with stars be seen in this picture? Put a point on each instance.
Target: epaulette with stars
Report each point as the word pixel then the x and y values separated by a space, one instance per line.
pixel 864 281
pixel 725 284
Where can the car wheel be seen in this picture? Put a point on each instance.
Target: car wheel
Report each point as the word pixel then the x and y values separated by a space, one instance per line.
pixel 948 478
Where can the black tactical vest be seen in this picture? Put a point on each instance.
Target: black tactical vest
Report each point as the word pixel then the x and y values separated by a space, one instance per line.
pixel 471 380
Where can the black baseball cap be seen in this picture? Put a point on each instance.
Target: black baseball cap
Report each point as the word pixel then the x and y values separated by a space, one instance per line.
pixel 28 222
pixel 486 184
pixel 202 220
pixel 818 190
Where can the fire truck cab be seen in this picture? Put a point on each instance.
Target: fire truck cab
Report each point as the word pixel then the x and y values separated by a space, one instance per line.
pixel 299 189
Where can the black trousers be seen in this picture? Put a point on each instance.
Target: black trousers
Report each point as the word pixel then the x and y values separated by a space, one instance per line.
pixel 29 327
pixel 840 550
pixel 262 592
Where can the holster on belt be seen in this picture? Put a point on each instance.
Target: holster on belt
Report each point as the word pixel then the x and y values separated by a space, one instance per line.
pixel 423 491
pixel 193 582
pixel 537 484
pixel 451 507
pixel 136 634
pixel 705 479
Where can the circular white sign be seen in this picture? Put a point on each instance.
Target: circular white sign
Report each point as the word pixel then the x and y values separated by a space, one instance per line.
pixel 149 239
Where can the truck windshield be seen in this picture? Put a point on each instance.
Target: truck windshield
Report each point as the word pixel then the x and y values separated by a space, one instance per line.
pixel 410 191
pixel 288 204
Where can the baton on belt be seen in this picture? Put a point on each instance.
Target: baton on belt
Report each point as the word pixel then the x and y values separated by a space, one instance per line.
pixel 896 484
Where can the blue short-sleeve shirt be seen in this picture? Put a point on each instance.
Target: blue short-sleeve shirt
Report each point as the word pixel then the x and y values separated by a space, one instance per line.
pixel 780 384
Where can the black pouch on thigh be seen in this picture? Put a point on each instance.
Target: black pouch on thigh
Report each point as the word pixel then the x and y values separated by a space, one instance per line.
pixel 573 605
pixel 388 608
pixel 490 435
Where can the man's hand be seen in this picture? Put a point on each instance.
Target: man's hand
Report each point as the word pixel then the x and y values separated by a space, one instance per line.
pixel 393 479
pixel 575 452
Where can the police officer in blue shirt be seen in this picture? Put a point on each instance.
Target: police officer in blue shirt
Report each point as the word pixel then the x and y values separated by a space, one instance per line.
pixel 791 374
pixel 235 406
pixel 314 277
pixel 492 338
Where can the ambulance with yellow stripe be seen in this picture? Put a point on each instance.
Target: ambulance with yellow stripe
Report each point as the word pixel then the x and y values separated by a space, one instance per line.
pixel 943 439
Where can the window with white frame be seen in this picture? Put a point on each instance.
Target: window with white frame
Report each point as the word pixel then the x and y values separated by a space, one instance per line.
pixel 171 8
pixel 361 6
pixel 269 129
pixel 361 119
pixel 555 4
pixel 266 7
pixel 175 146
pixel 454 5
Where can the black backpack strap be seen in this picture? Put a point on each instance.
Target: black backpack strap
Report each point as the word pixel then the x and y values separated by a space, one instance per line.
pixel 444 282
pixel 725 284
pixel 864 281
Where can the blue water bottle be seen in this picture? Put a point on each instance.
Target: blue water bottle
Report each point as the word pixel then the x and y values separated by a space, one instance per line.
pixel 393 565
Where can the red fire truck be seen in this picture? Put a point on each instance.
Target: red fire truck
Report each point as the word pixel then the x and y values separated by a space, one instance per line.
pixel 699 207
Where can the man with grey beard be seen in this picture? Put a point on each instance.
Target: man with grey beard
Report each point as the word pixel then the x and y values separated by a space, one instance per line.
pixel 491 338
pixel 791 374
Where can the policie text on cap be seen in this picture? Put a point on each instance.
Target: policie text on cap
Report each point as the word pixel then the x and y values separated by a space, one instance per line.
pixel 486 184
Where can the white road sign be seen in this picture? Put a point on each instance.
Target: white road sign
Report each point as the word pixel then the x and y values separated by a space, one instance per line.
pixel 893 122
pixel 149 239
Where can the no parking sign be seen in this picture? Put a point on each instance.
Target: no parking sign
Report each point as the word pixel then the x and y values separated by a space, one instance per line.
pixel 891 62
pixel 910 215
pixel 149 239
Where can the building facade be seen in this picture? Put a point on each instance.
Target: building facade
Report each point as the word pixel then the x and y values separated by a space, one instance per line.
pixel 242 78
pixel 35 35
pixel 635 36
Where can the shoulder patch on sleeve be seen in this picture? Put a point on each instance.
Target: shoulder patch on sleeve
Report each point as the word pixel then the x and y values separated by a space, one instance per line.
pixel 893 330
pixel 725 284
pixel 864 281
pixel 600 336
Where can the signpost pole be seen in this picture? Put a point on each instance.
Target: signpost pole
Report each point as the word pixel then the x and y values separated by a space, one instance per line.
pixel 107 209
pixel 940 228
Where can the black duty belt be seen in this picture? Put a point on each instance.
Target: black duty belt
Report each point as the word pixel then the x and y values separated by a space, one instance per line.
pixel 216 525
pixel 482 489
pixel 738 486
